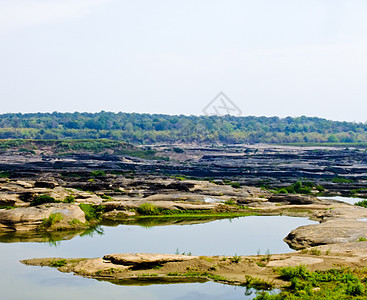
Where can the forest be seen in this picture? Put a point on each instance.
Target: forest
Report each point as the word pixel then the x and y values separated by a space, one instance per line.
pixel 156 128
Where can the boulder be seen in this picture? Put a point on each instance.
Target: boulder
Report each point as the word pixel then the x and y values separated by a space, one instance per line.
pixel 330 232
pixel 29 218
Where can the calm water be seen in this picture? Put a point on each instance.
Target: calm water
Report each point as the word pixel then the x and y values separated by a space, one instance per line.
pixel 238 236
pixel 350 200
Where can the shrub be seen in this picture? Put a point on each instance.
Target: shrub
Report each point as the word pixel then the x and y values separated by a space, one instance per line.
pixel 42 199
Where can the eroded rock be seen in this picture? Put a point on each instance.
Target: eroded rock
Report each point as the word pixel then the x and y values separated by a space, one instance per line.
pixel 145 259
pixel 30 218
pixel 330 232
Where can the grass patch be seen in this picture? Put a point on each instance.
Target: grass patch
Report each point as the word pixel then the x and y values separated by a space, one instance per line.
pixel 69 199
pixel 76 223
pixel 362 203
pixel 4 174
pixel 258 283
pixel 298 187
pixel 341 180
pixel 7 207
pixel 315 251
pixel 58 263
pixel 105 197
pixel 230 202
pixel 148 209
pixel 330 284
pixel 235 258
pixel 92 212
pixel 51 220
pixel 98 173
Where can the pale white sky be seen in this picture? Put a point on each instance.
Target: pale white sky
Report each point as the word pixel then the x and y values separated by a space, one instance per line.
pixel 285 57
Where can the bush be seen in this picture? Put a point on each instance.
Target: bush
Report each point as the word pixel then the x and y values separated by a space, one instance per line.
pixel 43 199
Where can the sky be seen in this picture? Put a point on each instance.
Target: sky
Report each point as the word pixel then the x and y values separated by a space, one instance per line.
pixel 270 58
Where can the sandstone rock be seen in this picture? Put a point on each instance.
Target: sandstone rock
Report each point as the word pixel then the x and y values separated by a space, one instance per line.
pixel 293 199
pixel 330 232
pixel 145 259
pixel 295 261
pixel 29 218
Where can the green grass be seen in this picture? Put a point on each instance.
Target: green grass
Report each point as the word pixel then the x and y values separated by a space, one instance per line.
pixel 4 174
pixel 42 199
pixel 7 207
pixel 105 197
pixel 341 180
pixel 76 223
pixel 69 199
pixel 51 220
pixel 362 203
pixel 330 284
pixel 58 263
pixel 315 251
pixel 298 187
pixel 235 258
pixel 98 173
pixel 148 209
pixel 258 283
pixel 92 212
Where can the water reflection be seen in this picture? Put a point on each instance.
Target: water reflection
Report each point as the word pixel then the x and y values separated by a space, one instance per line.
pixel 243 236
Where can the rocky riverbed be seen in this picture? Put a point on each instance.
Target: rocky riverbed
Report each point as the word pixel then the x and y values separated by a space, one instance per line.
pixel 46 193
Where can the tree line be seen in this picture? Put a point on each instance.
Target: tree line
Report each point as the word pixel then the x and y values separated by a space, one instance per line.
pixel 156 128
